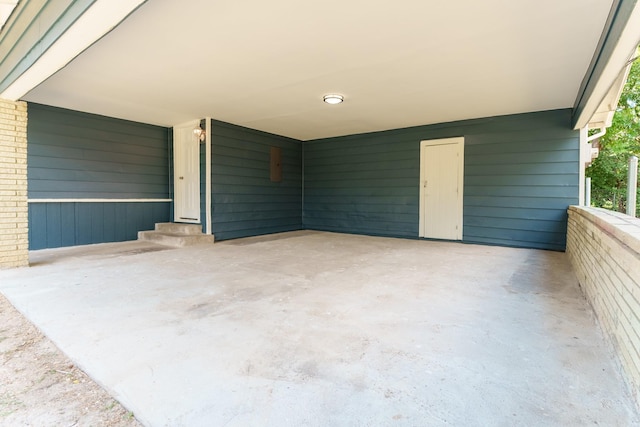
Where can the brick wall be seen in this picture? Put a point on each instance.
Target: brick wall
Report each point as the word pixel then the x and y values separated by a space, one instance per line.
pixel 14 243
pixel 604 249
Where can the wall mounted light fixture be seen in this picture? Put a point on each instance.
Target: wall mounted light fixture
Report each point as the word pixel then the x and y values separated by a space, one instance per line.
pixel 200 133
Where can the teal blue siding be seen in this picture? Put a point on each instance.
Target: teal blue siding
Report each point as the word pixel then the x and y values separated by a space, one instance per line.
pixel 244 200
pixel 170 166
pixel 53 225
pixel 74 155
pixel 521 174
pixel 80 155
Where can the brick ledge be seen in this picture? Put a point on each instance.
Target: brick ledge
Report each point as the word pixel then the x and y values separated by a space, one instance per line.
pixel 621 226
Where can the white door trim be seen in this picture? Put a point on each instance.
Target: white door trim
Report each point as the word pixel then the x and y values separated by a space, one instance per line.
pixel 207 175
pixel 177 198
pixel 459 201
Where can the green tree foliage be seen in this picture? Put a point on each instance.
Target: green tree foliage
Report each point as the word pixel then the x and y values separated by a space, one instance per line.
pixel 609 171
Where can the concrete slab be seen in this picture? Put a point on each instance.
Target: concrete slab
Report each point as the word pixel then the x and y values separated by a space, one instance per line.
pixel 318 329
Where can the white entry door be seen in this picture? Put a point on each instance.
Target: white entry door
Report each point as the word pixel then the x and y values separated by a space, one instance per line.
pixel 441 185
pixel 186 173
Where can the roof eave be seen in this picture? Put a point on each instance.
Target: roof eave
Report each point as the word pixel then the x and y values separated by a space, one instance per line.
pixel 41 37
pixel 602 85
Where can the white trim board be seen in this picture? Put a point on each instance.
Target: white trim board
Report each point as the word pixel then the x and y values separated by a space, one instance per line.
pixel 98 200
pixel 207 178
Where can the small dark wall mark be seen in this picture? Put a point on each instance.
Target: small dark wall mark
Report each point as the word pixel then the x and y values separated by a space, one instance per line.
pixel 276 164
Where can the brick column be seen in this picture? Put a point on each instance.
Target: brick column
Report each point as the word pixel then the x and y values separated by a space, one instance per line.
pixel 14 238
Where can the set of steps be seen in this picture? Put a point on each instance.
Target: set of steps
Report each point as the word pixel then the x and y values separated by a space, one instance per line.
pixel 177 235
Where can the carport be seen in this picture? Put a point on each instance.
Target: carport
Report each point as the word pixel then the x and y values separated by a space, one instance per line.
pixel 351 317
pixel 315 328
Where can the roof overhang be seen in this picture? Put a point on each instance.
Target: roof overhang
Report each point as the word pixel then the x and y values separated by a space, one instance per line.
pixel 41 37
pixel 601 88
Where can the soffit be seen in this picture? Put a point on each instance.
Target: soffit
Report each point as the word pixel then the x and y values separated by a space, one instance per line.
pixel 266 65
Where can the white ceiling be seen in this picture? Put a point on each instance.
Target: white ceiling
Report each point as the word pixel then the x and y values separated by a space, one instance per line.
pixel 266 65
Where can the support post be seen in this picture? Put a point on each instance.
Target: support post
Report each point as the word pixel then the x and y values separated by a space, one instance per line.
pixel 587 191
pixel 632 186
pixel 207 173
pixel 14 221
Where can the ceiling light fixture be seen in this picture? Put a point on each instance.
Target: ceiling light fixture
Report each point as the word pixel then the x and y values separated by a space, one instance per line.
pixel 333 99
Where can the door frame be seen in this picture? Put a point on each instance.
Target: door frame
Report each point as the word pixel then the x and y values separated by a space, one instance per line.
pixel 424 144
pixel 190 125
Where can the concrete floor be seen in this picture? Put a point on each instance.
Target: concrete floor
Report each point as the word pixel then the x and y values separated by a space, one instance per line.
pixel 322 329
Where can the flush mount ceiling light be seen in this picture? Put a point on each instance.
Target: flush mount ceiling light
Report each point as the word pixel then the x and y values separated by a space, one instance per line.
pixel 333 99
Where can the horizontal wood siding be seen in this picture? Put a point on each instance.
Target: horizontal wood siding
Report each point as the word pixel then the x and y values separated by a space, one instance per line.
pixel 75 155
pixel 79 155
pixel 521 174
pixel 53 225
pixel 362 185
pixel 245 202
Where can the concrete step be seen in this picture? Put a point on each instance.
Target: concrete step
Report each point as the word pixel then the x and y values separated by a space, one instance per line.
pixel 179 228
pixel 175 239
pixel 177 235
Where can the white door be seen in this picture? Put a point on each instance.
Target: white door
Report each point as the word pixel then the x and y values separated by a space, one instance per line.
pixel 441 184
pixel 186 173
